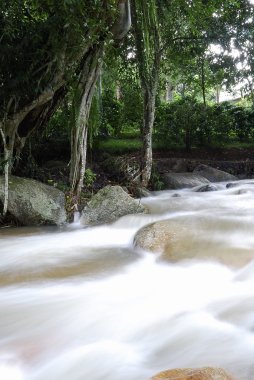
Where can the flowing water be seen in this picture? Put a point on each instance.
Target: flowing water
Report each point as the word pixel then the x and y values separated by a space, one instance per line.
pixel 83 303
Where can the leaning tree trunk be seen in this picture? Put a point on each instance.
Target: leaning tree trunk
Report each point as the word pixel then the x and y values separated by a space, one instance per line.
pixel 92 63
pixel 15 127
pixel 85 90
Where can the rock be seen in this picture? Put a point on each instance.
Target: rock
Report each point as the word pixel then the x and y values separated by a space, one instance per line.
pixel 182 180
pixel 161 237
pixel 205 188
pixel 242 191
pixel 140 192
pixel 187 239
pixel 109 204
pixel 206 373
pixel 212 174
pixel 230 185
pixel 237 184
pixel 180 166
pixel 143 192
pixel 176 165
pixel 34 203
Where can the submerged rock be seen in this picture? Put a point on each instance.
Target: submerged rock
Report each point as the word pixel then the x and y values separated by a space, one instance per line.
pixel 183 180
pixel 34 203
pixel 231 184
pixel 206 373
pixel 213 175
pixel 109 204
pixel 205 188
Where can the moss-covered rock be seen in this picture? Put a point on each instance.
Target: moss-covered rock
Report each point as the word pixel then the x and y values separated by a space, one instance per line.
pixel 34 203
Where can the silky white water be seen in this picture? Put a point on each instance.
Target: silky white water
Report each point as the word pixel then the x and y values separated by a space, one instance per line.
pixel 83 303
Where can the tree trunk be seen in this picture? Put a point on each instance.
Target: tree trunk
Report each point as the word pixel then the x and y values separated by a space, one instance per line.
pixel 188 139
pixel 148 121
pixel 169 92
pixel 6 173
pixel 85 90
pixel 92 63
pixel 149 66
pixel 218 89
pixel 203 81
pixel 16 126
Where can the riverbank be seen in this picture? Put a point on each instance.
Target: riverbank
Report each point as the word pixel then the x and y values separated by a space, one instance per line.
pixel 104 169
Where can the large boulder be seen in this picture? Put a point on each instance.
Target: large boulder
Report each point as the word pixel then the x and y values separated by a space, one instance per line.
pixel 206 373
pixel 212 174
pixel 187 239
pixel 183 180
pixel 109 204
pixel 34 203
pixel 164 236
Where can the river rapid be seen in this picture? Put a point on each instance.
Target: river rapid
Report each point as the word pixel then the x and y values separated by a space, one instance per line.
pixel 84 303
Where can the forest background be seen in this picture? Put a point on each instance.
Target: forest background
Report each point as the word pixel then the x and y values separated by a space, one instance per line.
pixel 83 79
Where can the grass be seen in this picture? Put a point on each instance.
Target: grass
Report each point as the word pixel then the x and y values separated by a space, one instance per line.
pixel 130 134
pixel 238 144
pixel 129 145
pixel 119 146
pixel 129 141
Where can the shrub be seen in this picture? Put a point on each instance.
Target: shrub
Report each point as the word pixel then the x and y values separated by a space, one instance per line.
pixel 193 123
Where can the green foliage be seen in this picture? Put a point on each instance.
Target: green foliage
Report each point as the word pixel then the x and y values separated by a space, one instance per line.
pixel 156 182
pixel 191 122
pixel 112 112
pixel 181 122
pixel 243 119
pixel 58 127
pixel 94 121
pixel 119 146
pixel 133 106
pixel 121 101
pixel 43 39
pixel 90 177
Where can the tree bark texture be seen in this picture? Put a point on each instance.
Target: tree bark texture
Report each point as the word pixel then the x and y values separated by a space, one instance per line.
pixel 85 90
pixel 91 69
pixel 147 151
pixel 149 77
pixel 17 126
pixel 203 84
pixel 6 174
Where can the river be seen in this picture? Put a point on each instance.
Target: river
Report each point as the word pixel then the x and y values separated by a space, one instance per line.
pixel 83 303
